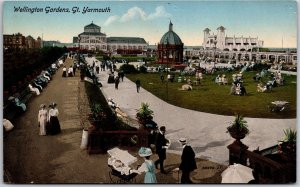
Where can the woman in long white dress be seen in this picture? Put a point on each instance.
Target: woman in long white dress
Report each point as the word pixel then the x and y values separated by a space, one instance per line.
pixel 42 119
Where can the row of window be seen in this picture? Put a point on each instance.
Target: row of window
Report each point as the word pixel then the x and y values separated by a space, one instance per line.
pixel 240 44
pixel 103 47
pixel 92 41
pixel 114 47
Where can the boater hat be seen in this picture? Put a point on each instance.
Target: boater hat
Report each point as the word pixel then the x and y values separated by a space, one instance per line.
pixel 182 140
pixel 143 152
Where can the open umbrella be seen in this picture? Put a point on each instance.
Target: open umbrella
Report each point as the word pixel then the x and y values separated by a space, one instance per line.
pixel 237 173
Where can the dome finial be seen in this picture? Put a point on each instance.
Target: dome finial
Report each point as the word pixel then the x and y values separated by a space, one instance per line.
pixel 170 26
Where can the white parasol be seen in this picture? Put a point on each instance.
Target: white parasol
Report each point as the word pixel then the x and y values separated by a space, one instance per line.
pixel 237 173
pixel 122 155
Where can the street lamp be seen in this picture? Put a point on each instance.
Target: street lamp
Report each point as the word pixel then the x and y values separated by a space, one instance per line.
pixel 167 55
pixel 215 47
pixel 78 52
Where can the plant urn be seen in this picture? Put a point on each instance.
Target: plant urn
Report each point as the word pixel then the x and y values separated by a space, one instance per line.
pixel 237 135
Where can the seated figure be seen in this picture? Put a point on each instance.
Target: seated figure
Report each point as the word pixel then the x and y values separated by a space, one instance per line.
pixel 238 89
pixel 232 89
pixel 186 87
pixel 217 79
pixel 111 103
pixel 261 88
pixel 35 90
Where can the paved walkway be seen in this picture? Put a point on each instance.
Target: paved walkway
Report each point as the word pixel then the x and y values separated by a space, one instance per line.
pixel 205 132
pixel 30 158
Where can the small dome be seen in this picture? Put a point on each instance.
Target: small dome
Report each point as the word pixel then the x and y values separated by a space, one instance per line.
pixel 91 26
pixel 171 37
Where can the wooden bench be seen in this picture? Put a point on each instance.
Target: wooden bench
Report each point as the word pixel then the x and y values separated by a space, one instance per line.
pixel 9 110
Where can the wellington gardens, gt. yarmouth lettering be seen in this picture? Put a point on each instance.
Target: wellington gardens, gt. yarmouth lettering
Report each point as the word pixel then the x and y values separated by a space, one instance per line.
pixel 59 9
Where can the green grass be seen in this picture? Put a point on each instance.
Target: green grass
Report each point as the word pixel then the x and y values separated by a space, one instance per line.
pixel 213 98
pixel 130 58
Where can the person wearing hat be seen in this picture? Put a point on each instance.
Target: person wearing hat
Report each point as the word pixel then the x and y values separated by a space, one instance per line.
pixel 42 119
pixel 117 81
pixel 147 166
pixel 64 71
pixel 53 120
pixel 161 146
pixel 188 162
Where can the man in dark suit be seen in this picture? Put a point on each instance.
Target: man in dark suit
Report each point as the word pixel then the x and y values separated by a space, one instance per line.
pixel 161 146
pixel 188 162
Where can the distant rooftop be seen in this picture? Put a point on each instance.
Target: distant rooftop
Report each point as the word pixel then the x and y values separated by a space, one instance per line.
pixel 135 40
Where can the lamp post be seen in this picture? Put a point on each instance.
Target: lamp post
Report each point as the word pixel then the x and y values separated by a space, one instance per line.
pixel 167 55
pixel 215 47
pixel 78 52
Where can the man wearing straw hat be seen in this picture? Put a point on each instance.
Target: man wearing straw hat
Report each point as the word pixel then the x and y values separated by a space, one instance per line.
pixel 188 163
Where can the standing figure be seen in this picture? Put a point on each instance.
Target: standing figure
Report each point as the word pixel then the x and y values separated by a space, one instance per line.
pixel 138 85
pixel 64 71
pixel 42 119
pixel 74 68
pixel 70 71
pixel 161 146
pixel 147 166
pixel 97 69
pixel 53 120
pixel 117 81
pixel 122 74
pixel 162 77
pixel 188 162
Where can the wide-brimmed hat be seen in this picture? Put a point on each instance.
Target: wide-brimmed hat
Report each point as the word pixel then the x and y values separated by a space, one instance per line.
pixel 52 105
pixel 144 151
pixel 182 140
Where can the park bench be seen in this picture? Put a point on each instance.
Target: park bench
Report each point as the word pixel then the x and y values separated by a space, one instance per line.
pixel 10 110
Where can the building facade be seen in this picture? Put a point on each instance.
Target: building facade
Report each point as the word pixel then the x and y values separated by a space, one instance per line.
pixel 20 41
pixel 14 41
pixel 33 43
pixel 93 39
pixel 170 48
pixel 222 42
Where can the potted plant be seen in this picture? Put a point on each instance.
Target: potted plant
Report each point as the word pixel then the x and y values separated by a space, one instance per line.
pixel 238 128
pixel 144 114
pixel 287 146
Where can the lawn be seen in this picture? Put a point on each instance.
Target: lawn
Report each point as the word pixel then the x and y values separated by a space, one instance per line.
pixel 213 98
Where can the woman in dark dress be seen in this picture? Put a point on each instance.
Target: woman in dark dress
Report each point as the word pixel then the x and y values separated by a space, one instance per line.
pixel 53 120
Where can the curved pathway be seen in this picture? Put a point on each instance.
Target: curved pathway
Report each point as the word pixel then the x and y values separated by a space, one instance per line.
pixel 205 132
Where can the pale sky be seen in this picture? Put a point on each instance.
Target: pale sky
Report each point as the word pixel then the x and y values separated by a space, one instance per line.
pixel 274 22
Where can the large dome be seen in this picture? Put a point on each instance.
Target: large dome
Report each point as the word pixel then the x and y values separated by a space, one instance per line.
pixel 170 37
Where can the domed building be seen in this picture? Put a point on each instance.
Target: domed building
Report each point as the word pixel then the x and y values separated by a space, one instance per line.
pixel 93 39
pixel 170 48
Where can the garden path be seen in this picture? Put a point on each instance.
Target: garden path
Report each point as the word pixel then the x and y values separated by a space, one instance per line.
pixel 205 132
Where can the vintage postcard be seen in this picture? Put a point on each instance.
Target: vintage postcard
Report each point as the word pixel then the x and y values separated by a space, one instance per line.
pixel 163 92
